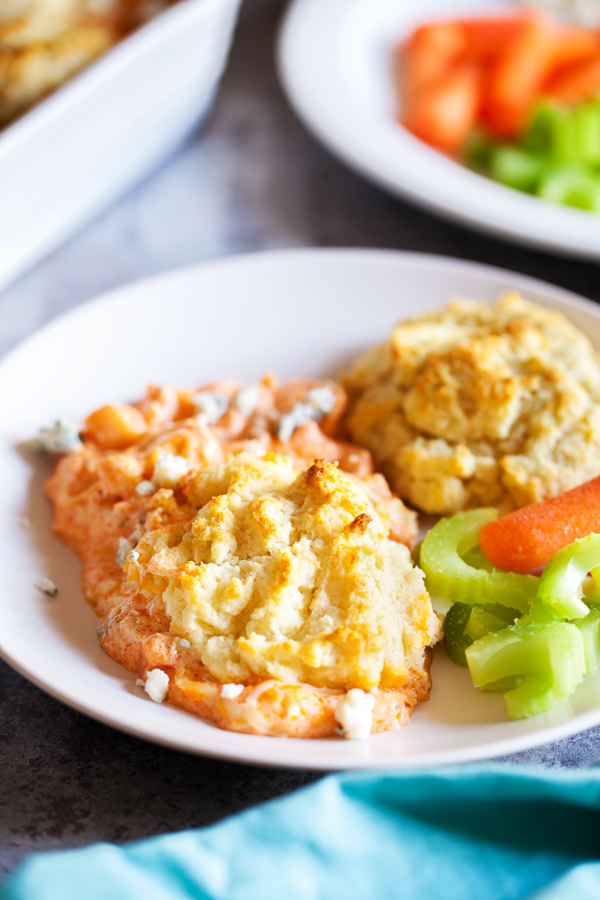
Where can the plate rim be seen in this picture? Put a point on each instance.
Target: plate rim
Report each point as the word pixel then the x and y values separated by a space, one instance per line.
pixel 499 747
pixel 557 219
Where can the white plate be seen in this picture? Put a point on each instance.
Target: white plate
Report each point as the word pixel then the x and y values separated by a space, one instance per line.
pixel 297 313
pixel 334 61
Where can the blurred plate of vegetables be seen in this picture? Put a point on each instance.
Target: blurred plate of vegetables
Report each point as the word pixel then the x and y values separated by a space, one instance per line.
pixel 486 111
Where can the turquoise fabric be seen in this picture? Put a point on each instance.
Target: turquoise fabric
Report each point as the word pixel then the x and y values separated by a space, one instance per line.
pixel 480 832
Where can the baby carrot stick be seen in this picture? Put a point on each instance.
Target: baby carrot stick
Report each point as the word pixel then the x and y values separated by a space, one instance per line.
pixel 444 113
pixel 488 38
pixel 428 54
pixel 516 77
pixel 528 538
pixel 579 82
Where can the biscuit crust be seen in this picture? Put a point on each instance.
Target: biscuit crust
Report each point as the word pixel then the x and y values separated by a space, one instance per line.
pixel 480 405
pixel 237 514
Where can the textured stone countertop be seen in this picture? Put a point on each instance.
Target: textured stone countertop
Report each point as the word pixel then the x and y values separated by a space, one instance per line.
pixel 252 180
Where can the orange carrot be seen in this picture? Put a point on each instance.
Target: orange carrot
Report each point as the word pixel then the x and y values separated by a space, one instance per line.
pixel 525 540
pixel 488 38
pixel 575 44
pixel 577 82
pixel 444 113
pixel 517 76
pixel 429 52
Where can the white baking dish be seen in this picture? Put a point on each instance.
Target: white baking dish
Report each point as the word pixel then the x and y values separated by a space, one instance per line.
pixel 75 153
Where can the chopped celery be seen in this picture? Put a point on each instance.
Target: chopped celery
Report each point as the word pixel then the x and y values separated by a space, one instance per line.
pixel 561 584
pixel 448 575
pixel 533 695
pixel 477 560
pixel 482 622
pixel 516 168
pixel 465 623
pixel 477 151
pixel 552 134
pixel 454 631
pixel 586 121
pixel 555 649
pixel 572 185
pixel 590 631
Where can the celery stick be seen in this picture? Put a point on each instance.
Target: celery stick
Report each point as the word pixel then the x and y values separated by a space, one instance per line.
pixel 533 695
pixel 561 584
pixel 590 631
pixel 477 152
pixel 516 168
pixel 477 560
pixel 586 121
pixel 552 134
pixel 502 685
pixel 555 649
pixel 454 632
pixel 572 185
pixel 482 622
pixel 447 574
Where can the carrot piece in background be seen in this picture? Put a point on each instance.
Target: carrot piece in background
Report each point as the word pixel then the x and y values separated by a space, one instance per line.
pixel 527 539
pixel 516 77
pixel 488 38
pixel 428 54
pixel 575 44
pixel 577 82
pixel 445 112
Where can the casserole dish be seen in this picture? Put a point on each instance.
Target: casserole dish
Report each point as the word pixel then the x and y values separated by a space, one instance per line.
pixel 76 152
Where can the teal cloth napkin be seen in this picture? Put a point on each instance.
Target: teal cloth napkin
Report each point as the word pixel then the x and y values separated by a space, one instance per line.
pixel 480 832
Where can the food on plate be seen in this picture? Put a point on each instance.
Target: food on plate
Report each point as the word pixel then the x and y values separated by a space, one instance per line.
pixel 43 43
pixel 533 639
pixel 515 97
pixel 246 564
pixel 528 538
pixel 479 404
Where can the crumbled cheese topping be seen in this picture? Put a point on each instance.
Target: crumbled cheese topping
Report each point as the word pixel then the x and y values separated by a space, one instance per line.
pixel 247 399
pixel 125 548
pixel 170 470
pixel 255 446
pixel 231 691
pixel 133 556
pixel 354 712
pixel 47 586
pixel 139 682
pixel 157 685
pixel 210 406
pixel 315 404
pixel 184 643
pixel 145 488
pixel 61 438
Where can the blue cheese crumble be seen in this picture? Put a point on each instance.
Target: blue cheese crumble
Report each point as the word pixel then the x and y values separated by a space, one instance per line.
pixel 157 685
pixel 145 488
pixel 47 586
pixel 231 691
pixel 170 470
pixel 354 712
pixel 59 439
pixel 247 399
pixel 315 404
pixel 210 406
pixel 125 548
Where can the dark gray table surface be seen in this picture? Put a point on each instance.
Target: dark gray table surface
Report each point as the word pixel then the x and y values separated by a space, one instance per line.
pixel 252 180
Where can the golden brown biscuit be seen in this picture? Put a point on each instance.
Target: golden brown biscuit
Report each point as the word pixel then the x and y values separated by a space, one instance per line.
pixel 243 571
pixel 480 405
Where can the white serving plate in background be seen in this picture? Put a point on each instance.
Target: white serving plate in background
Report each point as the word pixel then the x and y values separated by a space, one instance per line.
pixel 335 64
pixel 106 129
pixel 300 314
